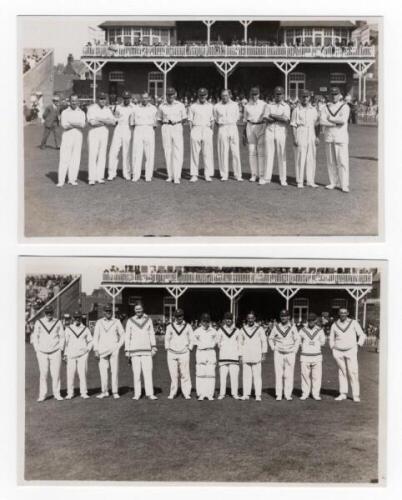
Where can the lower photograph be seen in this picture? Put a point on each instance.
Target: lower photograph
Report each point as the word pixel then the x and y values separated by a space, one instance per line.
pixel 140 370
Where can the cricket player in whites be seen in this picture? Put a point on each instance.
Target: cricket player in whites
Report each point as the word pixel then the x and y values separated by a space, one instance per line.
pixel 140 347
pixel 277 117
pixel 253 350
pixel 229 352
pixel 284 340
pixel 77 346
pixel 121 138
pixel 172 114
pixel 254 135
pixel 99 117
pixel 108 339
pixel 48 341
pixel 143 118
pixel 312 339
pixel 334 117
pixel 205 338
pixel 227 114
pixel 72 122
pixel 201 120
pixel 345 336
pixel 306 129
pixel 178 344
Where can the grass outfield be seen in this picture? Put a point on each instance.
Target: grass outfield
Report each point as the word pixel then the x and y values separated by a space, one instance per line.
pixel 125 440
pixel 121 208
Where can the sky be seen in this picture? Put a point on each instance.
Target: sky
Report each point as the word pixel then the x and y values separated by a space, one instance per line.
pixel 64 34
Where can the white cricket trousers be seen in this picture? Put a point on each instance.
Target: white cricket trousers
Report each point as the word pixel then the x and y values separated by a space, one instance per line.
pixel 275 140
pixel 97 146
pixel 252 373
pixel 45 361
pixel 179 365
pixel 256 149
pixel 305 161
pixel 311 374
pixel 205 372
pixel 104 362
pixel 172 140
pixel 228 140
pixel 121 140
pixel 70 155
pixel 233 370
pixel 201 140
pixel 80 366
pixel 143 145
pixel 338 164
pixel 284 373
pixel 347 364
pixel 142 364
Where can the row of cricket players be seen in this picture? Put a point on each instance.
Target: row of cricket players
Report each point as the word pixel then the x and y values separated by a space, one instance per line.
pixel 265 134
pixel 246 346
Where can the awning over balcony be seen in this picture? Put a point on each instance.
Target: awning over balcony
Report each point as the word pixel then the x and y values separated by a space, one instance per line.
pixel 129 24
pixel 317 24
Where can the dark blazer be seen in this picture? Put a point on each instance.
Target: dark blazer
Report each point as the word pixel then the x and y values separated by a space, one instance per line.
pixel 51 116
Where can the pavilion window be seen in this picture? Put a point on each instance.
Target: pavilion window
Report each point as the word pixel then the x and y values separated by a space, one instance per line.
pixel 116 76
pixel 165 38
pixel 337 78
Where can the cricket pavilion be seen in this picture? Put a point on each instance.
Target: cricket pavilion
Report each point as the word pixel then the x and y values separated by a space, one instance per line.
pixel 265 291
pixel 217 53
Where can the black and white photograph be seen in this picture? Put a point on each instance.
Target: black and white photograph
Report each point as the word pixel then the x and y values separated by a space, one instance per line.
pixel 202 370
pixel 200 126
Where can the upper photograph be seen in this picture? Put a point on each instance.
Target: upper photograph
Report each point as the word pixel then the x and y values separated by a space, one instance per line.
pixel 200 127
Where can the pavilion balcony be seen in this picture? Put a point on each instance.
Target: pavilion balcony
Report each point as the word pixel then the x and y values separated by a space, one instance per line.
pixel 226 51
pixel 218 278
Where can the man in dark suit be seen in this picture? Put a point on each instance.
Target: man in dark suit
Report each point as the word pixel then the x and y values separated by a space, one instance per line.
pixel 50 122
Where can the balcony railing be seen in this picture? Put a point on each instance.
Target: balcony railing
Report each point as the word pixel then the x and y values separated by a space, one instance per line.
pixel 239 278
pixel 226 51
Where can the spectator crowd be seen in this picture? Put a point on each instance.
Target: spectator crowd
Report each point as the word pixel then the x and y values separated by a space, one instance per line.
pixel 31 58
pixel 40 288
